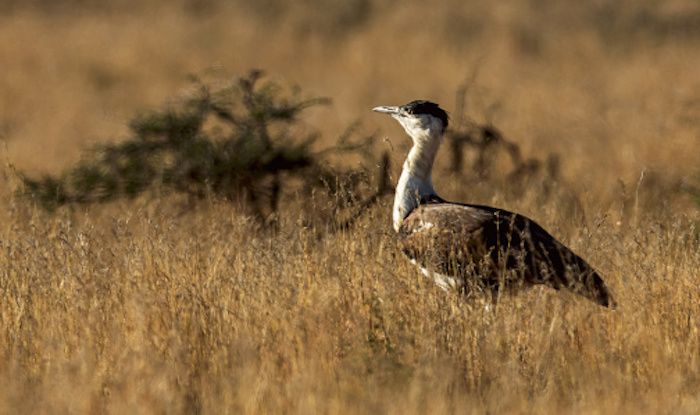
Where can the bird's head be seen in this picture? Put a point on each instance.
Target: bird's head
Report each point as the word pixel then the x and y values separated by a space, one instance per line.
pixel 422 120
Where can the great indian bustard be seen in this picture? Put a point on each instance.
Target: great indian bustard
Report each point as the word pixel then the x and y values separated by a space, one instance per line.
pixel 463 246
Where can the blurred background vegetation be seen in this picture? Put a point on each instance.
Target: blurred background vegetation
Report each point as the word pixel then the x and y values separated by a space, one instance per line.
pixel 561 80
pixel 240 141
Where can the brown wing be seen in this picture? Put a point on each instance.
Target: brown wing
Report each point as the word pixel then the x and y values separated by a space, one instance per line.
pixel 449 239
pixel 496 249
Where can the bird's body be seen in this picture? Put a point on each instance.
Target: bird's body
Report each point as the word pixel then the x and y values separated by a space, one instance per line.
pixel 473 247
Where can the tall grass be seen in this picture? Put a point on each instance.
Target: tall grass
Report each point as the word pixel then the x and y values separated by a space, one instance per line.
pixel 146 310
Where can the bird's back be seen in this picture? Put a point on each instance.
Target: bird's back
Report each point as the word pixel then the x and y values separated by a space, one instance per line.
pixel 494 249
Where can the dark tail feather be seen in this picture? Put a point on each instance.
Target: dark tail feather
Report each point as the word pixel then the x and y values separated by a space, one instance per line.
pixel 583 280
pixel 593 287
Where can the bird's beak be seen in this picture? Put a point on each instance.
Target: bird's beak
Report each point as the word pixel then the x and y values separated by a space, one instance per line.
pixel 386 110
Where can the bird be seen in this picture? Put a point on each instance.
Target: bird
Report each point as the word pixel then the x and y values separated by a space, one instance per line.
pixel 475 248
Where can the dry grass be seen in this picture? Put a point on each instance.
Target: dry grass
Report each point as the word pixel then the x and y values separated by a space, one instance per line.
pixel 149 307
pixel 145 310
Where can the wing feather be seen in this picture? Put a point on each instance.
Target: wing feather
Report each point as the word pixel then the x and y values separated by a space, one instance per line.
pixel 495 248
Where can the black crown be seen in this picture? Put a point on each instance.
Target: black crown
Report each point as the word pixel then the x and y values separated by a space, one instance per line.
pixel 427 107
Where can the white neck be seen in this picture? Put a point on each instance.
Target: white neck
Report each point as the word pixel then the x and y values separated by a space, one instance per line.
pixel 416 181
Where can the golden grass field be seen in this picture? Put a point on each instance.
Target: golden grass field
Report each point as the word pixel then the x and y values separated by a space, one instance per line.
pixel 150 306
